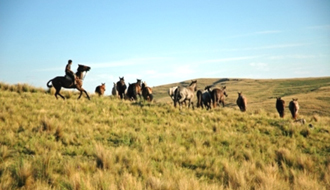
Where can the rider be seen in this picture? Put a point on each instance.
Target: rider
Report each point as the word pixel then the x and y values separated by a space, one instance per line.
pixel 69 72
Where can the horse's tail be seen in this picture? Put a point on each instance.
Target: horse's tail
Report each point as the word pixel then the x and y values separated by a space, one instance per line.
pixel 199 98
pixel 48 85
pixel 214 98
pixel 134 91
pixel 176 95
pixel 151 97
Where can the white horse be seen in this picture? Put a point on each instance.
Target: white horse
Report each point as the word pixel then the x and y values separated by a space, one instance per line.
pixel 171 92
pixel 114 90
pixel 182 94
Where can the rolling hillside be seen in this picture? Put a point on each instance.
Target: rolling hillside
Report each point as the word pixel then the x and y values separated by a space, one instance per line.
pixel 313 93
pixel 106 143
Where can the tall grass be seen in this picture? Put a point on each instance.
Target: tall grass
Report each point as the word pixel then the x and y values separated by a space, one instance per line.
pixel 107 143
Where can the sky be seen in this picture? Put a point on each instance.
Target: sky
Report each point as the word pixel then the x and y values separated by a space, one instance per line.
pixel 163 42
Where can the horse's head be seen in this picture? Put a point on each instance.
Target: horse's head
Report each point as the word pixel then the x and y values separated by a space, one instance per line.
pixel 122 81
pixel 224 91
pixel 193 84
pixel 83 68
pixel 103 85
pixel 138 81
pixel 144 84
pixel 239 94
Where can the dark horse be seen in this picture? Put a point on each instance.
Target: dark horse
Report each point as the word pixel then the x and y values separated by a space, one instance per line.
pixel 182 94
pixel 218 96
pixel 59 82
pixel 280 106
pixel 147 92
pixel 241 102
pixel 121 87
pixel 204 98
pixel 134 90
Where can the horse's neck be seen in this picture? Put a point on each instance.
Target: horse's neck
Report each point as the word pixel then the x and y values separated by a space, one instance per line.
pixel 79 74
pixel 192 87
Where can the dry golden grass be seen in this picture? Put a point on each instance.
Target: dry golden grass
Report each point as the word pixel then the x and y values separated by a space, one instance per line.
pixel 106 143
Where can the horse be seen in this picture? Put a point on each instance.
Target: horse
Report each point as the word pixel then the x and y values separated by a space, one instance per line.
pixel 65 82
pixel 146 92
pixel 134 89
pixel 100 89
pixel 218 96
pixel 121 87
pixel 241 102
pixel 294 107
pixel 114 91
pixel 171 92
pixel 182 94
pixel 280 106
pixel 204 98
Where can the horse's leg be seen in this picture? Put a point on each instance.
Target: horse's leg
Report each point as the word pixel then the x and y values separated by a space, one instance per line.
pixel 87 95
pixel 81 91
pixel 80 94
pixel 58 93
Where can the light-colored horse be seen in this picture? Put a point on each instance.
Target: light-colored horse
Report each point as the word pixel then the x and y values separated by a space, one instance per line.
pixel 294 107
pixel 182 94
pixel 147 92
pixel 171 92
pixel 114 91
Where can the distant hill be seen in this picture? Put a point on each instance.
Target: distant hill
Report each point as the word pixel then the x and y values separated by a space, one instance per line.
pixel 313 93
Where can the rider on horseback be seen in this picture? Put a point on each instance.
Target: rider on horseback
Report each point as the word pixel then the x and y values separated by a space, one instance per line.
pixel 69 72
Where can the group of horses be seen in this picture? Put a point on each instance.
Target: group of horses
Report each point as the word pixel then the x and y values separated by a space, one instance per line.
pixel 211 97
pixel 120 89
pixel 208 98
pixel 134 90
pixel 293 107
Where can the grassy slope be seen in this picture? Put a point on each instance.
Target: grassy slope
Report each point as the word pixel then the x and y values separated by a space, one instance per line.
pixel 313 93
pixel 110 144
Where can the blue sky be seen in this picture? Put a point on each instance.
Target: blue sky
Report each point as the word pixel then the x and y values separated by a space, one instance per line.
pixel 163 42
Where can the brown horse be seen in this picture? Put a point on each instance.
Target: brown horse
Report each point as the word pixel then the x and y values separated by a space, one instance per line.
pixel 218 96
pixel 241 102
pixel 146 92
pixel 280 106
pixel 100 89
pixel 134 90
pixel 294 107
pixel 185 93
pixel 65 82
pixel 121 87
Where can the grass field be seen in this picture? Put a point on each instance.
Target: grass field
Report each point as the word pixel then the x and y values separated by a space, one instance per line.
pixel 107 143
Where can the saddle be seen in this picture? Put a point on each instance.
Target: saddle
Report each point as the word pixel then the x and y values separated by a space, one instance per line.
pixel 69 79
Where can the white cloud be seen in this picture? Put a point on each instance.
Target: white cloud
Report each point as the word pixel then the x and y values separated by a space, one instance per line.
pixel 230 59
pixel 128 62
pixel 256 33
pixel 260 66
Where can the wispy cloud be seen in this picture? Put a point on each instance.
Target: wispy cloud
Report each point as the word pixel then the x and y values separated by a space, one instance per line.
pixel 256 33
pixel 298 56
pixel 128 62
pixel 230 59
pixel 260 66
pixel 319 27
pixel 278 46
